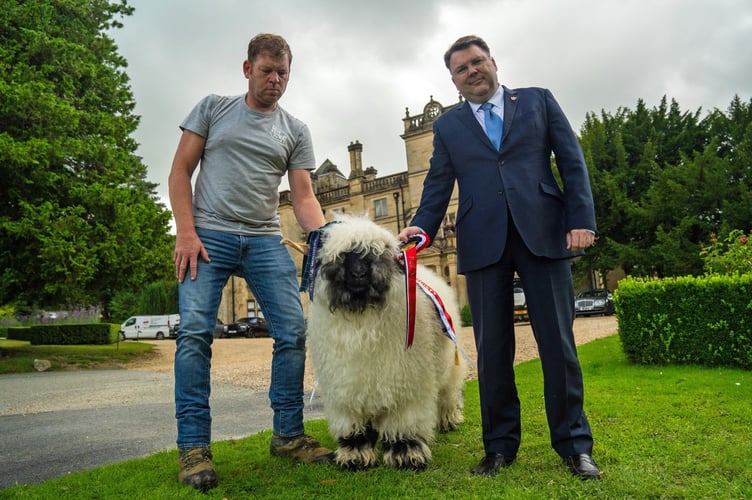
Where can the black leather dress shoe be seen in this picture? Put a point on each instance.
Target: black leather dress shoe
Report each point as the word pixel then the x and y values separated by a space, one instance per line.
pixel 492 463
pixel 583 466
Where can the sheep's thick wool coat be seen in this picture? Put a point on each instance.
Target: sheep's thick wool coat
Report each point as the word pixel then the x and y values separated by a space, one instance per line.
pixel 369 382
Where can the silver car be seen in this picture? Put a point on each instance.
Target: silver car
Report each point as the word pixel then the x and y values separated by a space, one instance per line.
pixel 597 301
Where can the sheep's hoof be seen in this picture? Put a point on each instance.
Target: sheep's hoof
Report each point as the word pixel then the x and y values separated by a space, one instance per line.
pixel 410 454
pixel 356 457
pixel 450 422
pixel 354 466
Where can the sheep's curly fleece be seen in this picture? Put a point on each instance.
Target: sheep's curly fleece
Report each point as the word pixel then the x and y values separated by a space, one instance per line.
pixel 365 375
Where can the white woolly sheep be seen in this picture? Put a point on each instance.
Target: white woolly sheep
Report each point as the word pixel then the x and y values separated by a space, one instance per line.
pixel 373 388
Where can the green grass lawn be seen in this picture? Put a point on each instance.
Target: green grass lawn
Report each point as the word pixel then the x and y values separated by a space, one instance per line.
pixel 17 356
pixel 660 432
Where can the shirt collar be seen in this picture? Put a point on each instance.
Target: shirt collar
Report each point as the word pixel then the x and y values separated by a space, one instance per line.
pixel 497 100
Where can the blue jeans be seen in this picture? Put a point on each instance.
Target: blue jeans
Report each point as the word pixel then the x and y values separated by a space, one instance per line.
pixel 271 275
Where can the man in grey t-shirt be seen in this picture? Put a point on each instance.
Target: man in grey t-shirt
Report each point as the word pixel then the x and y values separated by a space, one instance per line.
pixel 229 226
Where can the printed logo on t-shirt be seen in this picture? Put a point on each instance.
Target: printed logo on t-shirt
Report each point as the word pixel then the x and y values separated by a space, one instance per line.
pixel 278 135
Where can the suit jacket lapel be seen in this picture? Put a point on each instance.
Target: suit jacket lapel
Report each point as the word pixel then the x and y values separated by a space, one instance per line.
pixel 510 108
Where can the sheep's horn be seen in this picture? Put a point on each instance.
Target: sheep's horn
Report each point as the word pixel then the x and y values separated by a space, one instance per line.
pixel 300 247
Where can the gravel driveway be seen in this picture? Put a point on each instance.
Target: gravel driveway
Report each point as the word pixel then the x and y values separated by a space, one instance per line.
pixel 245 362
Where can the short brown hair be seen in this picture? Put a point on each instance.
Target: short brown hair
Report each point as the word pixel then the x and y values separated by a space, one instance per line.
pixel 274 45
pixel 463 43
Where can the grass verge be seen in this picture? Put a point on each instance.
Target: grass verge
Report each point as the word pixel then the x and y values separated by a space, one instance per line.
pixel 18 356
pixel 660 432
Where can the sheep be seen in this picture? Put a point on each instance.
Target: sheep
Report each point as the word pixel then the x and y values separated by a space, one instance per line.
pixel 373 387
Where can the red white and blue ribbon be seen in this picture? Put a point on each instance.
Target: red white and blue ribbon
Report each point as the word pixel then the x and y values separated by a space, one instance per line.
pixel 444 316
pixel 446 321
pixel 409 257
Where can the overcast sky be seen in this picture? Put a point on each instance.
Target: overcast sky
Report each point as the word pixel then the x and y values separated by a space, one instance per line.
pixel 358 65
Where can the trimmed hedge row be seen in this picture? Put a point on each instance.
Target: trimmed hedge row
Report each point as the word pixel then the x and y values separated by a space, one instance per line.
pixel 66 334
pixel 702 321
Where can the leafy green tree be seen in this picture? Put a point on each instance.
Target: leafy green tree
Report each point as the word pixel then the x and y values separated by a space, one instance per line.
pixel 663 181
pixel 123 304
pixel 732 136
pixel 159 298
pixel 78 221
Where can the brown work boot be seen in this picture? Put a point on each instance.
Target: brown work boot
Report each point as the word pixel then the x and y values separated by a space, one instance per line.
pixel 304 449
pixel 196 468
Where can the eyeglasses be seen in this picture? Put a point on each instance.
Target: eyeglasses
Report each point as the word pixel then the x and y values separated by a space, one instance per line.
pixel 475 63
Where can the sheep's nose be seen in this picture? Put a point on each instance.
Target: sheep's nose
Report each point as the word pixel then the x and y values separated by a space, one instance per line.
pixel 358 272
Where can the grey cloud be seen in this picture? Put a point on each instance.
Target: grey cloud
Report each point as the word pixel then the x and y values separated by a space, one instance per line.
pixel 358 65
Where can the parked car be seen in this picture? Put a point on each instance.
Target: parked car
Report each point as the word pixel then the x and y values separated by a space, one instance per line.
pixel 520 305
pixel 257 326
pixel 174 327
pixel 219 329
pixel 596 301
pixel 237 329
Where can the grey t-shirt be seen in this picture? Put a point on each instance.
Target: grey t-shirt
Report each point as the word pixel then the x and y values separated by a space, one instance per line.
pixel 246 154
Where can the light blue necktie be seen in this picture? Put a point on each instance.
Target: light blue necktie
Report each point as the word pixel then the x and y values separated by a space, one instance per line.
pixel 494 124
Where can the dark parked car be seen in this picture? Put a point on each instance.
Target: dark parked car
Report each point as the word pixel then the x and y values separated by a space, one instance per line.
pixel 590 302
pixel 257 326
pixel 238 329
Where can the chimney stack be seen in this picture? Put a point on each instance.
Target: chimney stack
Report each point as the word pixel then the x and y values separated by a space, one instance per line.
pixel 356 161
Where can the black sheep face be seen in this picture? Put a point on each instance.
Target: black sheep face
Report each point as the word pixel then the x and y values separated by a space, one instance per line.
pixel 358 280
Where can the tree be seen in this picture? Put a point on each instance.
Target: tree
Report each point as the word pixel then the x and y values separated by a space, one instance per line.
pixel 664 181
pixel 159 298
pixel 79 221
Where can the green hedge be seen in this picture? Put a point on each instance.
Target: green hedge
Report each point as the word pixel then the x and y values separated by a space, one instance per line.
pixel 66 334
pixel 19 333
pixel 705 321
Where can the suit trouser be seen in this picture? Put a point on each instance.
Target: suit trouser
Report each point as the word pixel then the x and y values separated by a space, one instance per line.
pixel 550 301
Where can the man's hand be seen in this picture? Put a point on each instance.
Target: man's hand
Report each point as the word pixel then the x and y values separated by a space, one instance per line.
pixel 188 248
pixel 580 239
pixel 407 232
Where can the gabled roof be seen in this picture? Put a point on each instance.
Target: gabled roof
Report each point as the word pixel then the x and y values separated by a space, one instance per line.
pixel 328 168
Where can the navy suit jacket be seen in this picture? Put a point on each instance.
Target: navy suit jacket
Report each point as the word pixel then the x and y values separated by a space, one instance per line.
pixel 516 181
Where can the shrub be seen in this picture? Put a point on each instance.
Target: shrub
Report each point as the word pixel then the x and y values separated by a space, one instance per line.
pixel 686 320
pixel 467 319
pixel 732 256
pixel 72 334
pixel 19 333
pixel 7 311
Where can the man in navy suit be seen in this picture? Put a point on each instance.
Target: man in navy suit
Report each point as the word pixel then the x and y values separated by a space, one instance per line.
pixel 514 216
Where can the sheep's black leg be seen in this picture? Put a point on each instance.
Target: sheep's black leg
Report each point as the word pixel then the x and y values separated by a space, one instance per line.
pixel 406 454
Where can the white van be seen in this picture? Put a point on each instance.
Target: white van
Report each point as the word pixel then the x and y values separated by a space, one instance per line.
pixel 148 327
